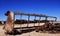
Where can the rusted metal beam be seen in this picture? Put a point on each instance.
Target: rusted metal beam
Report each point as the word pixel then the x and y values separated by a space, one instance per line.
pixel 34 21
pixel 41 15
pixel 39 21
pixel 19 13
pixel 20 19
pixel 28 21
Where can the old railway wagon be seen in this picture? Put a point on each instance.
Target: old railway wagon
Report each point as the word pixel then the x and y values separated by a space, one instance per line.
pixel 9 25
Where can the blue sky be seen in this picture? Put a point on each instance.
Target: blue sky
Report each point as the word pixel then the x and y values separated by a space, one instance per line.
pixel 48 7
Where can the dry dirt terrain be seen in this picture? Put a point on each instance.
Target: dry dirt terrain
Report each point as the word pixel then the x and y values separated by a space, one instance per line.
pixel 33 33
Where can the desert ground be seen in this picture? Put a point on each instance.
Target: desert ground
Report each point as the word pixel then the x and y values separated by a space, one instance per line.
pixel 33 33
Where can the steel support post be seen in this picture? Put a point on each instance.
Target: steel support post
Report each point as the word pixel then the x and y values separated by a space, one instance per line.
pixel 28 21
pixel 39 21
pixel 34 21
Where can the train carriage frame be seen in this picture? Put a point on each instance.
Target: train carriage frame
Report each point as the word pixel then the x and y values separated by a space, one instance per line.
pixel 35 15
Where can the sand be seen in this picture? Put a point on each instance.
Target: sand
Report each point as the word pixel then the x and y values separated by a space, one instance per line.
pixel 33 33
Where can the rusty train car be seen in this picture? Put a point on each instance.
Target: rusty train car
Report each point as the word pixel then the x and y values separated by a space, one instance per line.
pixel 9 25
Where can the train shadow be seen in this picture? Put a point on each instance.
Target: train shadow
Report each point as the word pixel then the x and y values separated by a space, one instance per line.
pixel 50 32
pixel 19 32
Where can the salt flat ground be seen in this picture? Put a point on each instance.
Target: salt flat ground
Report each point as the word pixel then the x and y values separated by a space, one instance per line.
pixel 33 33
